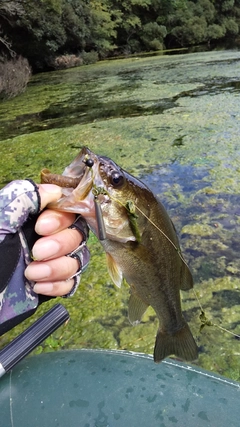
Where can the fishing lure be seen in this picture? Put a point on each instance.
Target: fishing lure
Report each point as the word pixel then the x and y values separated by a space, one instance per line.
pixel 131 211
pixel 63 181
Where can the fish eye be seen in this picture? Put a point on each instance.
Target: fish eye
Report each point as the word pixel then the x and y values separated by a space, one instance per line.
pixel 117 179
pixel 89 162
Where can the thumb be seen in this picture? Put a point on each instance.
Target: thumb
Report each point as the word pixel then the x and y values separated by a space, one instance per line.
pixel 49 193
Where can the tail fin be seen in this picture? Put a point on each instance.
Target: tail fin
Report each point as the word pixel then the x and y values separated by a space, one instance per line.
pixel 181 344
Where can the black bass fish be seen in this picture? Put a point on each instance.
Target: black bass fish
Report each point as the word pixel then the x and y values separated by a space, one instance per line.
pixel 140 241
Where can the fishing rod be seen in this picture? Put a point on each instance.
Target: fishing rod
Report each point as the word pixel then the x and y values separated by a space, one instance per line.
pixel 28 340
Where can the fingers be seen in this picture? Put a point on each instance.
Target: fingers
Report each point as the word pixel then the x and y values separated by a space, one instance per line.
pixel 49 193
pixel 51 268
pixel 55 289
pixel 50 222
pixel 51 276
pixel 56 245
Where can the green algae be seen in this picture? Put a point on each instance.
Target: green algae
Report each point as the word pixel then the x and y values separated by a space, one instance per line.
pixel 198 229
pixel 219 345
pixel 174 121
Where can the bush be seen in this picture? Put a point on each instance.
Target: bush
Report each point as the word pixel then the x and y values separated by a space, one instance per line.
pixel 89 57
pixel 66 61
pixel 14 76
pixel 155 44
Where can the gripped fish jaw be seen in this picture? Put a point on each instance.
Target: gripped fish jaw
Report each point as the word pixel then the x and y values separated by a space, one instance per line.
pixel 89 185
pixel 83 189
pixel 76 183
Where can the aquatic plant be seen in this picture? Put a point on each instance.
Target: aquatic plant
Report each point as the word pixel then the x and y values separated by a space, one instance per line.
pixel 174 122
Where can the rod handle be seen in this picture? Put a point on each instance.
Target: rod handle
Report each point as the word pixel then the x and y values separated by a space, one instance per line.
pixel 32 337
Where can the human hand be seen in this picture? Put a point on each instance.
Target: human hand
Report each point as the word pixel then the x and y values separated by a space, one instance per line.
pixel 59 259
pixel 53 269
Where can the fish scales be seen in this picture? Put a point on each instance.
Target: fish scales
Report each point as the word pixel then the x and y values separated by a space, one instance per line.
pixel 141 245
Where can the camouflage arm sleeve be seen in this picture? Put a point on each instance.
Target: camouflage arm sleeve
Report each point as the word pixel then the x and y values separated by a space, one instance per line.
pixel 19 200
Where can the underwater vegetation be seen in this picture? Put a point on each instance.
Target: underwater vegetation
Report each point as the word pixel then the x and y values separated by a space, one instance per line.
pixel 173 121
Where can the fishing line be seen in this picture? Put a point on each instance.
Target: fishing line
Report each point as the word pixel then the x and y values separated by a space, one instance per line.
pixel 162 232
pixel 205 321
pixel 101 190
pixel 96 191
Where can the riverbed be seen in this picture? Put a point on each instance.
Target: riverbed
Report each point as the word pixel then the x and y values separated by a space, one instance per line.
pixel 174 122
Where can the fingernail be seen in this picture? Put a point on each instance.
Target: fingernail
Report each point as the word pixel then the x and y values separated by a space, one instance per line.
pixel 47 225
pixel 44 249
pixel 43 288
pixel 37 271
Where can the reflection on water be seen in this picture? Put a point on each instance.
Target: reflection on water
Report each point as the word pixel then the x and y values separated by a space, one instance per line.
pixel 186 193
pixel 164 177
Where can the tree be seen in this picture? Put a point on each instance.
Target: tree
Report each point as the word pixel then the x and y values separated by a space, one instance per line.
pixel 152 35
pixel 215 32
pixel 8 12
pixel 75 20
pixel 103 24
pixel 227 5
pixel 38 32
pixel 42 30
pixel 231 26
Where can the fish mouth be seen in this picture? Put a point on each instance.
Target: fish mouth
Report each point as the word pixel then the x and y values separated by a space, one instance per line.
pixel 81 185
pixel 88 185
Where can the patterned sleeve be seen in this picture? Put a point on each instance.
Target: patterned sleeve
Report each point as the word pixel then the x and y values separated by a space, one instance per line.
pixel 18 200
pixel 19 204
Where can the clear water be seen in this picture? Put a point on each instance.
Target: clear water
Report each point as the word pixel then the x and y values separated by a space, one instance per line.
pixel 173 121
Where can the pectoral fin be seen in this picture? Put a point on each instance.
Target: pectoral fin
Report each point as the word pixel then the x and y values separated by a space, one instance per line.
pixel 114 270
pixel 136 309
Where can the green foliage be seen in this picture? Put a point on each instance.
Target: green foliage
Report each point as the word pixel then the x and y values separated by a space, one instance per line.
pixel 38 32
pixel 55 5
pixel 42 30
pixel 227 5
pixel 103 32
pixel 215 32
pixel 8 12
pixel 205 8
pixel 232 28
pixel 10 8
pixel 193 30
pixel 200 21
pixel 89 57
pixel 74 21
pixel 153 35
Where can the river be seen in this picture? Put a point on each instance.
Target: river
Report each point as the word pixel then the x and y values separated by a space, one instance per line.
pixel 173 121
